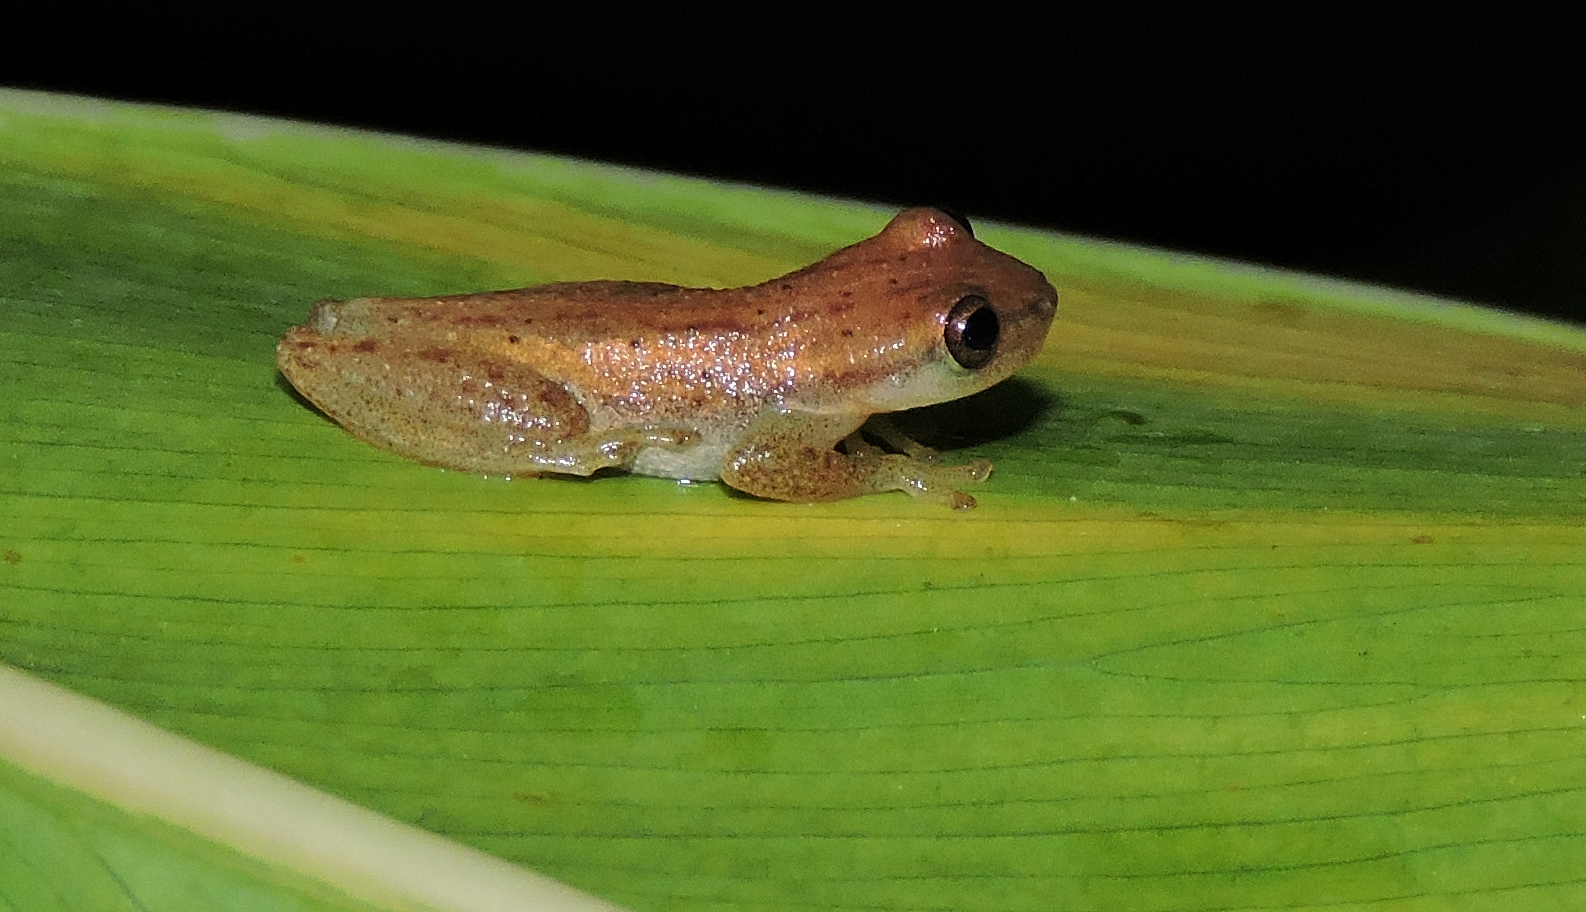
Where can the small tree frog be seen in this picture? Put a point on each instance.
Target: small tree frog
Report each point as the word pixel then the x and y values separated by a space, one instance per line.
pixel 763 387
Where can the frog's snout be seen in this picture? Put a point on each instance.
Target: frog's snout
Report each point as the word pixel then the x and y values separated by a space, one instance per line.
pixel 1046 304
pixel 1040 306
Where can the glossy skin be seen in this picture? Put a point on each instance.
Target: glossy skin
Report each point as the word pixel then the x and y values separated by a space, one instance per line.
pixel 754 386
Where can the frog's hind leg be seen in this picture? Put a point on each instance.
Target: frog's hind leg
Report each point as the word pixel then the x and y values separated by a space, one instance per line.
pixel 793 457
pixel 491 417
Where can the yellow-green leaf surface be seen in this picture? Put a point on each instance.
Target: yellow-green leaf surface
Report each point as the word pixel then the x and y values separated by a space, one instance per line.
pixel 1275 600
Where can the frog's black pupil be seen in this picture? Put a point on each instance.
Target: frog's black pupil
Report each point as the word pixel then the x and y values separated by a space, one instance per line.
pixel 980 330
pixel 972 332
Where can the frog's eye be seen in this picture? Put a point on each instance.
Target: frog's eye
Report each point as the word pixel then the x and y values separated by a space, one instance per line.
pixel 959 217
pixel 972 331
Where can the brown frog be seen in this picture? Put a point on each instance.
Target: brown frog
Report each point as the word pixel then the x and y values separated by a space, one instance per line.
pixel 763 387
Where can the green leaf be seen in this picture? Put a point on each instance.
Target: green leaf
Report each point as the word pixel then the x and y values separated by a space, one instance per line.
pixel 1273 602
pixel 59 850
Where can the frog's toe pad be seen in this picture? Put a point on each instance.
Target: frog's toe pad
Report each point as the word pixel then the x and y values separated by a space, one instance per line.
pixel 976 471
pixel 939 483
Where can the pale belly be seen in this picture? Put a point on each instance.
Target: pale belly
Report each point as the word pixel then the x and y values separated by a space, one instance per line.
pixel 701 462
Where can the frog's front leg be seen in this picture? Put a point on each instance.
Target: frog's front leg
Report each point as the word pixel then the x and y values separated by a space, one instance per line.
pixel 792 456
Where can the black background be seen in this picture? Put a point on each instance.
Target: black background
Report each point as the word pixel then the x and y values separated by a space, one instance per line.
pixel 1449 161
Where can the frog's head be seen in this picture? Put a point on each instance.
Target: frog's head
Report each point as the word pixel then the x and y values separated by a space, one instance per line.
pixel 959 316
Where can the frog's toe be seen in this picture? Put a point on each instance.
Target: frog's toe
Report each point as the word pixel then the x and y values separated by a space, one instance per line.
pixel 939 484
pixel 969 473
pixel 976 471
pixel 609 454
pixel 671 438
pixel 936 492
pixel 856 445
pixel 890 434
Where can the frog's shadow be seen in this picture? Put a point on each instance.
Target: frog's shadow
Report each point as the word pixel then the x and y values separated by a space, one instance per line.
pixel 285 386
pixel 1005 410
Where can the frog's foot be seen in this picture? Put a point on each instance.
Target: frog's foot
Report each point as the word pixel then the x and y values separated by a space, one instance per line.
pixel 615 449
pixel 793 457
pixel 855 444
pixel 929 481
pixel 665 438
pixel 883 429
